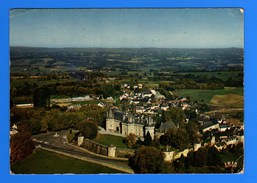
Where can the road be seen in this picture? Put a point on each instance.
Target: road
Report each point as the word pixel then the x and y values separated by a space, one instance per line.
pixel 57 142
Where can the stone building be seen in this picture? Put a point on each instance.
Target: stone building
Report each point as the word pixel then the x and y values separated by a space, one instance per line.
pixel 127 122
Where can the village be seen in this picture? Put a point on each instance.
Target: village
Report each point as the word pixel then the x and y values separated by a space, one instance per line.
pixel 139 120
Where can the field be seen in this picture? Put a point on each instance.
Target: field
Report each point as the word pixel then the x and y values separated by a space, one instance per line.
pixel 207 95
pixel 43 162
pixel 223 75
pixel 110 139
pixel 228 100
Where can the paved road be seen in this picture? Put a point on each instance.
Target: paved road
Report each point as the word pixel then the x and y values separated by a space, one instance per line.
pixel 58 143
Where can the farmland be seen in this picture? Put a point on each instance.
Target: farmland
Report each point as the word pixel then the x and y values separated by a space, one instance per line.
pixel 207 95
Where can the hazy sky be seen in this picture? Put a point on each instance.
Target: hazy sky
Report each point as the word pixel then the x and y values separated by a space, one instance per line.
pixel 164 28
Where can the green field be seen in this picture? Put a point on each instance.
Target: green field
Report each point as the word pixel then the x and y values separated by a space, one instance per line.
pixel 110 139
pixel 207 95
pixel 44 162
pixel 18 82
pixel 223 75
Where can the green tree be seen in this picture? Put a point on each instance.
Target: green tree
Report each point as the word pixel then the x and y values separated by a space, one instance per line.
pixel 193 132
pixel 88 129
pixel 21 144
pixel 175 114
pixel 147 160
pixel 148 139
pixel 41 97
pixel 179 164
pixel 213 157
pixel 131 140
pixel 175 137
pixel 200 157
pixel 187 164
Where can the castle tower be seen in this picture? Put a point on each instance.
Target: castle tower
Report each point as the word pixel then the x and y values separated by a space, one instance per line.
pixel 110 113
pixel 109 126
pixel 111 150
pixel 150 120
pixel 130 117
pixel 80 139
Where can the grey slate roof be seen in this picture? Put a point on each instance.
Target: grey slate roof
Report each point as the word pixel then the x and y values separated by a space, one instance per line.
pixel 166 126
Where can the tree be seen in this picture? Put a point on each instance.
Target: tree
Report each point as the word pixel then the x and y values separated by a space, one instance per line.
pixel 175 114
pixel 131 140
pixel 147 160
pixel 175 137
pixel 41 97
pixel 88 129
pixel 193 132
pixel 200 157
pixel 179 164
pixel 213 157
pixel 187 164
pixel 21 144
pixel 148 139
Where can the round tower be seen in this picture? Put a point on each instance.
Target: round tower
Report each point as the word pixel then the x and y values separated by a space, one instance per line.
pixel 111 150
pixel 80 139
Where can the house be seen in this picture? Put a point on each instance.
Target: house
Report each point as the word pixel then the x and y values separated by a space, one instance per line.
pixel 101 104
pixel 220 146
pixel 139 109
pixel 223 127
pixel 209 126
pixel 14 130
pixel 231 140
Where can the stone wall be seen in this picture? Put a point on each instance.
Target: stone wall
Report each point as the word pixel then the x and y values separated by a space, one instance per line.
pixel 124 153
pixel 95 147
pixel 110 151
pixel 173 155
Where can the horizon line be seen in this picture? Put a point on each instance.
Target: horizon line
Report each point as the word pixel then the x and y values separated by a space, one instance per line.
pixel 92 47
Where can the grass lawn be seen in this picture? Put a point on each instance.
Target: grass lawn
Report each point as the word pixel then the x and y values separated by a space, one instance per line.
pixel 207 95
pixel 44 162
pixel 110 139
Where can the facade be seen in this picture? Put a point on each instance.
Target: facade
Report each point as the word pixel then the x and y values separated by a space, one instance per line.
pixel 127 122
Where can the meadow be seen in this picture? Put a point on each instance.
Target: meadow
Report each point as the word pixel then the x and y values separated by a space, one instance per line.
pixel 44 162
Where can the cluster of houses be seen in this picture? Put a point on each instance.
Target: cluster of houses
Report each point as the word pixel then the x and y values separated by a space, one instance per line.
pixel 144 105
pixel 79 99
pixel 223 134
pixel 148 103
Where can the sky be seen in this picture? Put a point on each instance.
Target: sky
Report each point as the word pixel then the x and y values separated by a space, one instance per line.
pixel 129 28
